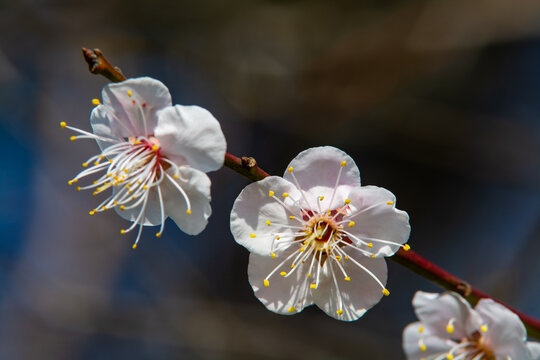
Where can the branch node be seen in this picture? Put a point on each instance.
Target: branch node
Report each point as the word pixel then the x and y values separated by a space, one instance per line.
pixel 249 162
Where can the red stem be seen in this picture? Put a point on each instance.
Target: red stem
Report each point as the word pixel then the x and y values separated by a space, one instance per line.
pixel 248 167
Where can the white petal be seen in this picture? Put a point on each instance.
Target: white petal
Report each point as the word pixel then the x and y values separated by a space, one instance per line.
pixel 135 115
pixel 152 210
pixel 534 349
pixel 284 295
pixel 358 295
pixel 103 124
pixel 319 167
pixel 253 207
pixel 506 334
pixel 196 185
pixel 380 220
pixel 433 345
pixel 191 135
pixel 436 310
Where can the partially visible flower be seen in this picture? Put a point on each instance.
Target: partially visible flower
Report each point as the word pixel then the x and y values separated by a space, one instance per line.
pixel 317 236
pixel 450 329
pixel 153 156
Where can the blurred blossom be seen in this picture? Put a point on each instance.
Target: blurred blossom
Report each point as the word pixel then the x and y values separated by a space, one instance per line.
pixel 154 156
pixel 450 329
pixel 317 236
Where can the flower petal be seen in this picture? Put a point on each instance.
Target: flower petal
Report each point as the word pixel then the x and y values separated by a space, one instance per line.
pixel 254 207
pixel 505 334
pixel 534 349
pixel 191 135
pixel 375 217
pixel 417 338
pixel 103 124
pixel 132 105
pixel 358 294
pixel 152 210
pixel 284 295
pixel 436 310
pixel 196 185
pixel 317 170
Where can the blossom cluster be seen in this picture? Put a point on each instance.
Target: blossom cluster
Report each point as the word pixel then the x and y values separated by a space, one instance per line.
pixel 315 235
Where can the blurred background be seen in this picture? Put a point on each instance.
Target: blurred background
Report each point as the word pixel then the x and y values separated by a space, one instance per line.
pixel 438 101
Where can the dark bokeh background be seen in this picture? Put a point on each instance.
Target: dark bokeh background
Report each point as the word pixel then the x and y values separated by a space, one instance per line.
pixel 437 101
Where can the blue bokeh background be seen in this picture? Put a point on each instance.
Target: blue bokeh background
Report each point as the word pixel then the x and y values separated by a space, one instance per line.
pixel 436 101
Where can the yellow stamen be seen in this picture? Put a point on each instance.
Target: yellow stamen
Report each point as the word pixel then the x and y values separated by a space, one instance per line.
pixel 188 211
pixel 390 203
pixel 84 164
pixel 343 163
pixel 290 169
pixel 484 328
pixel 321 198
pixel 122 231
pixel 291 217
pixel 449 356
pixel 63 125
pixel 285 194
pixel 73 138
pixel 122 207
pixel 268 222
pixel 351 224
pixel 373 256
pixel 129 93
pixel 270 193
pixel 406 247
pixel 155 147
pixel 347 201
pixel 252 235
pixel 291 309
pixel 339 312
pixel 347 278
pixel 386 292
pixel 273 255
pixel 422 347
pixel 134 246
pixel 95 101
pixel 283 273
pixel 158 235
pixel 266 283
pixel 449 328
pixel 312 286
pixel 421 329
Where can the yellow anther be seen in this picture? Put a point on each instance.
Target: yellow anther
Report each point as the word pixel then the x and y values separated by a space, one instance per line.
pixel 390 203
pixel 285 194
pixel 104 208
pixel 421 329
pixel 308 274
pixel 277 237
pixel 351 224
pixel 406 247
pixel 145 187
pixel 155 147
pixel 321 198
pixel 252 235
pixel 78 188
pixel 339 312
pixel 122 207
pixel 292 266
pixel 283 273
pixel 266 283
pixel 449 328
pixel 122 231
pixel 422 347
pixel 270 193
pixel 273 255
pixel 338 258
pixel 348 278
pixel 92 212
pixel 347 201
pixel 134 246
pixel 188 211
pixel 484 328
pixel 158 235
pixel 346 258
pixel 63 125
pixel 175 176
pixel 84 164
pixel 292 309
pixel 302 249
pixel 386 292
pixel 129 93
pixel 95 101
pixel 369 245
pixel 73 138
pixel 290 169
pixel 70 182
pixel 137 142
pixel 96 163
pixel 312 286
pixel 373 256
pixel 343 163
pixel 268 222
pixel 291 217
pixel 449 356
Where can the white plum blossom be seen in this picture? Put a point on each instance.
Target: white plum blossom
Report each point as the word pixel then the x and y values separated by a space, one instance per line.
pixel 449 329
pixel 317 237
pixel 153 156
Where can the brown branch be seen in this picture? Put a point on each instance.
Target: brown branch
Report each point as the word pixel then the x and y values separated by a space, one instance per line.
pixel 99 65
pixel 247 166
